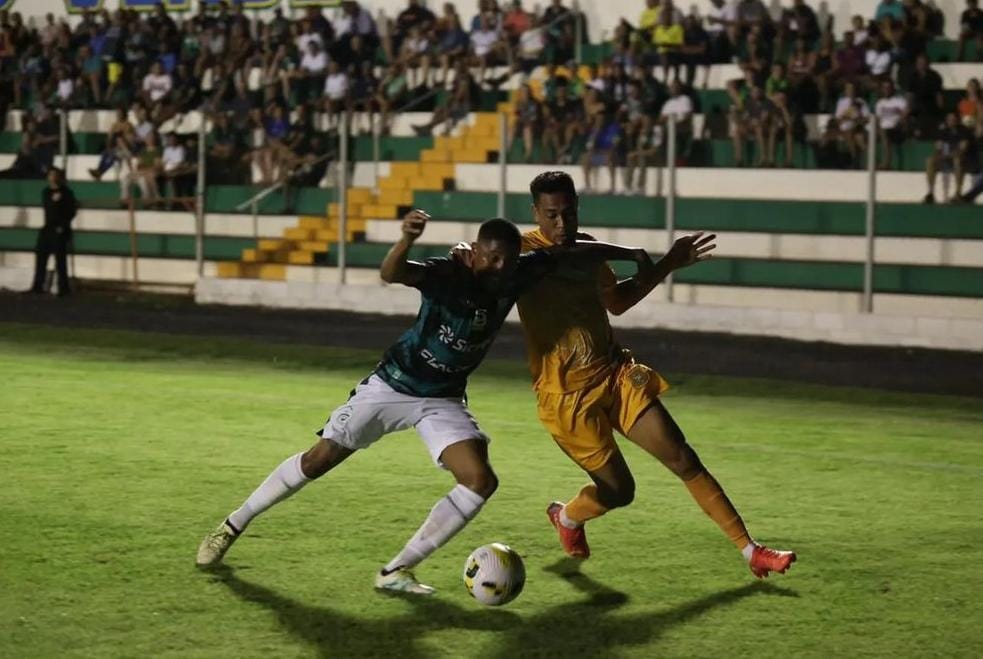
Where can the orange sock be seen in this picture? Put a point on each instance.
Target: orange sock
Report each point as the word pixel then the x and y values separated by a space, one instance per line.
pixel 708 493
pixel 585 505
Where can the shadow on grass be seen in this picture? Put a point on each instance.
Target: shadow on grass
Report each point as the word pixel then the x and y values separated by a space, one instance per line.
pixel 587 627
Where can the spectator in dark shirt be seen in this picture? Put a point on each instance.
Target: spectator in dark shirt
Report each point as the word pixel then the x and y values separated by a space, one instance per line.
pixel 925 95
pixel 60 207
pixel 26 164
pixel 414 16
pixel 971 29
pixel 797 22
pixel 956 151
pixel 564 116
pixel 850 62
pixel 696 49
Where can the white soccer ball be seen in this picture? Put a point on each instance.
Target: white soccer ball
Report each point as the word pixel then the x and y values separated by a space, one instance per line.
pixel 494 574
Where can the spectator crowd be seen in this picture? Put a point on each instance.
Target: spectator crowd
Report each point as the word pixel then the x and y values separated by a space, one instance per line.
pixel 265 81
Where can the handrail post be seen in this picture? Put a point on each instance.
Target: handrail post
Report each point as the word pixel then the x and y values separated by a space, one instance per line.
pixel 867 305
pixel 670 197
pixel 343 197
pixel 503 146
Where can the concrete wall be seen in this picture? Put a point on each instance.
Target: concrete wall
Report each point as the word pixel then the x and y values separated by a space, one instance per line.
pixel 835 327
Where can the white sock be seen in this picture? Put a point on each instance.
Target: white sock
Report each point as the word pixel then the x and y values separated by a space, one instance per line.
pixel 566 521
pixel 748 550
pixel 280 484
pixel 449 516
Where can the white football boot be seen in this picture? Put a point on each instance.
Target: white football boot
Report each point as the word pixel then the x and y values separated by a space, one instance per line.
pixel 401 580
pixel 213 547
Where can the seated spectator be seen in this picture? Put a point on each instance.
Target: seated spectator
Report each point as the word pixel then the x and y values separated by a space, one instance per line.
pixel 452 41
pixel 90 64
pixel 849 65
pixel 364 89
pixel 891 10
pixel 861 31
pixel 27 164
pixel 925 97
pixel 970 107
pixel 526 121
pixel 276 127
pixel 802 90
pixel 415 56
pixel 721 23
pixel 564 117
pixel 558 22
pixel 335 93
pixel 851 117
pixel 310 75
pixel 46 126
pixel 971 29
pixel 823 70
pixel 668 41
pixel 65 91
pixel 798 22
pixel 695 50
pixel 605 147
pixel 487 47
pixel 307 167
pixel 755 55
pixel 225 153
pixel 415 16
pixel 879 61
pixel 515 22
pixel 143 172
pixel 120 143
pixel 176 169
pixel 892 121
pixel 956 152
pixel 530 46
pixel 751 13
pixel 781 120
pixel 456 107
pixel 156 90
pixel 392 94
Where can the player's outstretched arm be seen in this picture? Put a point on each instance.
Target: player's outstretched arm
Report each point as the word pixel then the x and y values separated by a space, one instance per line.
pixel 593 251
pixel 396 269
pixel 684 252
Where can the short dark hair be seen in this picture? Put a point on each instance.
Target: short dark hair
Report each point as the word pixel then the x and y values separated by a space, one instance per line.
pixel 501 230
pixel 552 183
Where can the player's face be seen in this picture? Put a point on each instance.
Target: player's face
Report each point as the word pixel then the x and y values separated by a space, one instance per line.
pixel 556 215
pixel 494 262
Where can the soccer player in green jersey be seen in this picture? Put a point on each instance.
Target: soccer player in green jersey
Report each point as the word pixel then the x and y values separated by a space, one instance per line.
pixel 420 383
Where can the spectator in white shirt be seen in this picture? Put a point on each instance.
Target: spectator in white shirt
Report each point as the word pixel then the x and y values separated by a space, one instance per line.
pixel 175 166
pixel 415 56
pixel 878 59
pixel 487 46
pixel 892 119
pixel 532 42
pixel 156 85
pixel 335 92
pixel 65 91
pixel 313 65
pixel 307 36
pixel 851 115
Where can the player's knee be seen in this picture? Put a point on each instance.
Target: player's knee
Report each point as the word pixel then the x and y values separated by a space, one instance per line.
pixel 618 496
pixel 685 463
pixel 483 482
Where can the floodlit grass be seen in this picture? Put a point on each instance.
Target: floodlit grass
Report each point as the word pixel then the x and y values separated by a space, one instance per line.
pixel 118 451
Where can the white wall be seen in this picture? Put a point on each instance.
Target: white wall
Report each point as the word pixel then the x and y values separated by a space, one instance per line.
pixel 602 15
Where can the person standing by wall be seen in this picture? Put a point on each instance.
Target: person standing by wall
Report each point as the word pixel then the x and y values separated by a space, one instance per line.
pixel 60 207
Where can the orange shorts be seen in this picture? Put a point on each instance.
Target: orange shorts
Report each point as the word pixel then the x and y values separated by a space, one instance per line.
pixel 582 422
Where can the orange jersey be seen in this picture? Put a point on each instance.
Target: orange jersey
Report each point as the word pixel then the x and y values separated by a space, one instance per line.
pixel 568 335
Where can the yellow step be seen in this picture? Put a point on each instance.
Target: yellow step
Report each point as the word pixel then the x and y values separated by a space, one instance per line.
pixel 482 143
pixel 316 246
pixel 353 223
pixel 435 155
pixel 353 208
pixel 270 271
pixel 229 269
pixel 427 183
pixel 331 235
pixel 396 197
pixel 379 212
pixel 273 245
pixel 311 222
pixel 394 183
pixel 297 233
pixel 404 169
pixel 486 119
pixel 359 196
pixel 448 143
pixel 483 131
pixel 301 257
pixel 263 256
pixel 443 170
pixel 471 155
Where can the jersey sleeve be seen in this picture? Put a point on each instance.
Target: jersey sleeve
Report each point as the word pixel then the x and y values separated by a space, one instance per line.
pixel 438 273
pixel 532 267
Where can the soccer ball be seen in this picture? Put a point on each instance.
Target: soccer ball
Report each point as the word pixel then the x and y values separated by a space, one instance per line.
pixel 494 574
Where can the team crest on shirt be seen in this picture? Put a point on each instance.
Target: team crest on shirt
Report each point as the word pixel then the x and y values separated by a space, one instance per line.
pixel 480 319
pixel 639 376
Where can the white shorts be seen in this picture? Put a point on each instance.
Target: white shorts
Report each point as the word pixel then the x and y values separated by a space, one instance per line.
pixel 376 409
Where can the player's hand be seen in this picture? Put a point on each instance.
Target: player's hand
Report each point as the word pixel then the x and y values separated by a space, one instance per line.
pixel 413 224
pixel 690 249
pixel 463 254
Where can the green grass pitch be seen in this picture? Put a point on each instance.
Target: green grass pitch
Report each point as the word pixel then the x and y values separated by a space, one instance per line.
pixel 118 451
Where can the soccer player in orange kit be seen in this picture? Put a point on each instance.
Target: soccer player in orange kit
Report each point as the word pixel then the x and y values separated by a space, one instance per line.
pixel 587 386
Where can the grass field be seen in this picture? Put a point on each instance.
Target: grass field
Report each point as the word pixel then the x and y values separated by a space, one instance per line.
pixel 118 451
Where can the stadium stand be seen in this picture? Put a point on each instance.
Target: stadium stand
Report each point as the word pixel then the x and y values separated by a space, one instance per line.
pixel 270 87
